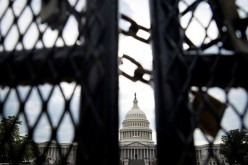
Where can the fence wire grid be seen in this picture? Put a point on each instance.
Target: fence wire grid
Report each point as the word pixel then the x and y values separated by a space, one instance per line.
pixel 55 54
pixel 66 53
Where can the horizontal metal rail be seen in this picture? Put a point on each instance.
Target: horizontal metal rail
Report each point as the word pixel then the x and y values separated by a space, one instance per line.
pixel 15 67
pixel 47 65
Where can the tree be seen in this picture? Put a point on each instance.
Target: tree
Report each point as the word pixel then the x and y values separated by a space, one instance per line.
pixel 235 146
pixel 14 147
pixel 31 149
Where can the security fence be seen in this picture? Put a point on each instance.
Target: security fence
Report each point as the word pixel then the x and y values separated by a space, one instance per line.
pixel 51 42
pixel 180 63
pixel 196 45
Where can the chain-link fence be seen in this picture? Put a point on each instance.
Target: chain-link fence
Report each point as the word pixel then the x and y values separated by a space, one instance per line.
pixel 48 48
pixel 197 45
pixel 199 52
pixel 54 58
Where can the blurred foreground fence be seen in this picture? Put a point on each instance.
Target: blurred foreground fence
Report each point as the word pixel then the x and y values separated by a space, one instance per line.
pixel 76 41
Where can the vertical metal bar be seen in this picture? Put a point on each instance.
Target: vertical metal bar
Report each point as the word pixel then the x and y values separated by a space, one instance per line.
pixel 174 131
pixel 98 129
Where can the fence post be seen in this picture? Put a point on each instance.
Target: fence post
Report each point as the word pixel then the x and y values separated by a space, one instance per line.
pixel 173 119
pixel 98 129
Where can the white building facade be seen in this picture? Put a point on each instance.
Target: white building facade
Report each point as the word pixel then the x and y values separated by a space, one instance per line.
pixel 53 154
pixel 136 144
pixel 135 138
pixel 203 156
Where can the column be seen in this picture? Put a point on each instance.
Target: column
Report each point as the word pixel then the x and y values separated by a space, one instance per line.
pixel 131 154
pixel 150 154
pixel 127 153
pixel 153 154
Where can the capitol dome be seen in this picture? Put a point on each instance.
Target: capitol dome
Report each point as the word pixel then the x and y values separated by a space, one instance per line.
pixel 135 111
pixel 135 126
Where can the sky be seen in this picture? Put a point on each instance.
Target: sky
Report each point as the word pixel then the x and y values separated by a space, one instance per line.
pixel 138 10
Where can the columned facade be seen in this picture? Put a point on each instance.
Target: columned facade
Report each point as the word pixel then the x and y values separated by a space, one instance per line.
pixel 135 138
pixel 136 144
pixel 53 154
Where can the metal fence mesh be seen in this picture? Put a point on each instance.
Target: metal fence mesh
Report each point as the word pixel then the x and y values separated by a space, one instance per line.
pixel 51 47
pixel 199 51
pixel 33 53
pixel 54 56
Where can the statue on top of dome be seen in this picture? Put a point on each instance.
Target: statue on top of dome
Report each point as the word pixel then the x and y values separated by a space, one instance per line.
pixel 135 101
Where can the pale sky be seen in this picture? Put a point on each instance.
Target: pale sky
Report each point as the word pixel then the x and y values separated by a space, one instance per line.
pixel 138 10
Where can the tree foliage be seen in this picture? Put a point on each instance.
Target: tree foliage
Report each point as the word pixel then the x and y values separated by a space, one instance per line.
pixel 235 146
pixel 13 146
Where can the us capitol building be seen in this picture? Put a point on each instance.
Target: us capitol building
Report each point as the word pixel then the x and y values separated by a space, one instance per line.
pixel 135 141
pixel 135 138
pixel 136 144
